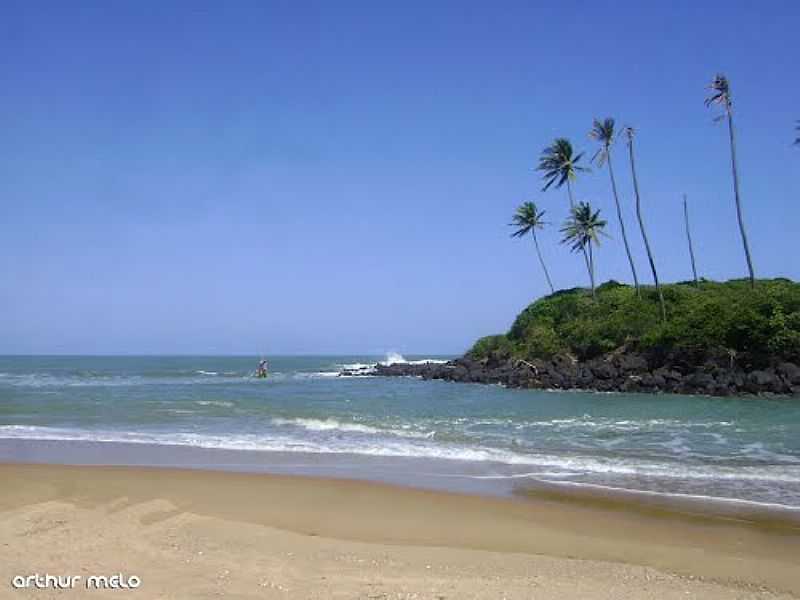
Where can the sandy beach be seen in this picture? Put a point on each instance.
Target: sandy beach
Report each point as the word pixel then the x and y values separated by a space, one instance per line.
pixel 203 534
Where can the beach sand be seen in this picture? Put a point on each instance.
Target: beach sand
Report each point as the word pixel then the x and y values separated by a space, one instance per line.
pixel 204 534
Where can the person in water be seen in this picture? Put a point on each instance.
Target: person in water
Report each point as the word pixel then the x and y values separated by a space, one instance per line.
pixel 261 371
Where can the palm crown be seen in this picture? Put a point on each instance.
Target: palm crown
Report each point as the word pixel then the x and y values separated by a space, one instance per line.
pixel 603 132
pixel 629 132
pixel 559 164
pixel 583 227
pixel 721 92
pixel 527 219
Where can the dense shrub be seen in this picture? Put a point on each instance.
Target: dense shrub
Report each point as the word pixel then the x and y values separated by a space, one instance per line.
pixel 758 326
pixel 491 344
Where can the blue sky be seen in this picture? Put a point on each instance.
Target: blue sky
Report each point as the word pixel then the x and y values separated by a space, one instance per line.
pixel 336 177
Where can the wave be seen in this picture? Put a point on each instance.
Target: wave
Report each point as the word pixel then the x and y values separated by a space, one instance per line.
pixel 365 368
pixel 325 425
pixel 356 366
pixel 392 358
pixel 415 446
pixel 677 495
pixel 334 425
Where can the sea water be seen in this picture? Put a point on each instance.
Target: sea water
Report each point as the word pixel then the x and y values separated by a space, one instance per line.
pixel 305 418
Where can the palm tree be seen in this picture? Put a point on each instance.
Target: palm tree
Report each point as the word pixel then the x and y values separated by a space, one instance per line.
pixel 629 134
pixel 560 166
pixel 603 132
pixel 582 231
pixel 797 139
pixel 689 238
pixel 528 219
pixel 722 96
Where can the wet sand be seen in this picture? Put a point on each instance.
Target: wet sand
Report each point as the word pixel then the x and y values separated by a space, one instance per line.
pixel 203 534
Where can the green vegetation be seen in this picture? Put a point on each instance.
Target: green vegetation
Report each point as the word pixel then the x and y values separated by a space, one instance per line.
pixel 741 323
pixel 722 321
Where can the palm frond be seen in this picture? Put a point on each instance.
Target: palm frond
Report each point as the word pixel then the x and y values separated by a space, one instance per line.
pixel 583 227
pixel 527 218
pixel 629 133
pixel 558 164
pixel 721 92
pixel 603 132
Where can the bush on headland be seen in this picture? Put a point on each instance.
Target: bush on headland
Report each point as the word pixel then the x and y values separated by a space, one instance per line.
pixel 719 321
pixel 718 339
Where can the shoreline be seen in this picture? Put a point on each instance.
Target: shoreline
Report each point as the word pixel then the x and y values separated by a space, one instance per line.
pixel 493 480
pixel 383 515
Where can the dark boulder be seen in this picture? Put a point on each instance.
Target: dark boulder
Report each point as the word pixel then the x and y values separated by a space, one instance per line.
pixel 603 370
pixel 790 373
pixel 700 380
pixel 762 381
pixel 631 363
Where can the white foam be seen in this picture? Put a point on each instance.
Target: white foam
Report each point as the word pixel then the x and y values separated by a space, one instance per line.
pixel 325 425
pixel 758 451
pixel 702 497
pixel 356 366
pixel 399 445
pixel 393 358
pixel 334 425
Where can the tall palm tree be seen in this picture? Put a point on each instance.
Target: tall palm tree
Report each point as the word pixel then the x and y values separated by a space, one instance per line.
pixel 560 166
pixel 629 134
pixel 603 132
pixel 528 219
pixel 721 96
pixel 689 238
pixel 582 231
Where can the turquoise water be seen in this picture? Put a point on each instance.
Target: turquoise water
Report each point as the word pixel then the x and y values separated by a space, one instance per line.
pixel 742 449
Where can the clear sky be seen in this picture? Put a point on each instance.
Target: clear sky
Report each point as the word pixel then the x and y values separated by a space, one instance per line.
pixel 335 177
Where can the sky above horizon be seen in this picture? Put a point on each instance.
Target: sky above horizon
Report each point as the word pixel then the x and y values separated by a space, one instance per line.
pixel 320 177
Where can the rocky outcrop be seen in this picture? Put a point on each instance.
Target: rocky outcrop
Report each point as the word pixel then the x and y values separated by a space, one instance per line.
pixel 620 372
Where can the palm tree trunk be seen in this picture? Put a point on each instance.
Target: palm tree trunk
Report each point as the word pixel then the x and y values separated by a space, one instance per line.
pixel 591 268
pixel 738 199
pixel 644 233
pixel 572 206
pixel 541 261
pixel 622 225
pixel 689 238
pixel 569 192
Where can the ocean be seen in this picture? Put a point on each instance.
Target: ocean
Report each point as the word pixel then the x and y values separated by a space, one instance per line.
pixel 210 412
